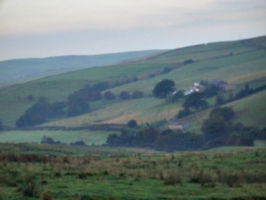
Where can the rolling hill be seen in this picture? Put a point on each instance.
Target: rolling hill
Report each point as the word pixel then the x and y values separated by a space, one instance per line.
pixel 22 70
pixel 237 62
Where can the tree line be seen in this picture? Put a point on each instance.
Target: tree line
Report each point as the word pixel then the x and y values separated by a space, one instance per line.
pixel 77 103
pixel 217 130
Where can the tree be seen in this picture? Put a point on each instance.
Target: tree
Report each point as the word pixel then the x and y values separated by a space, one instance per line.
pixel 30 98
pixel 163 88
pixel 36 114
pixel 124 95
pixel 132 124
pixel 187 62
pixel 226 113
pixel 183 113
pixel 195 100
pixel 57 109
pixel 112 140
pixel 219 100
pixel 177 95
pixel 108 95
pixel 214 127
pixel 77 108
pixel 76 105
pixel 145 138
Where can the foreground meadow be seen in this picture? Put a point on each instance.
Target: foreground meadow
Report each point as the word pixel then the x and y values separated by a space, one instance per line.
pixel 59 172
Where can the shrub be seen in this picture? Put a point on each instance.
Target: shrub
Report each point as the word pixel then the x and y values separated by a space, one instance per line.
pixel 172 178
pixel 202 177
pixel 124 95
pixel 108 95
pixel 187 62
pixel 28 186
pixel 46 196
pixel 132 124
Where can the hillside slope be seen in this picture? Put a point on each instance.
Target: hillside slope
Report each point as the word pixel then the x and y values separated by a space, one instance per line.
pixel 236 62
pixel 21 70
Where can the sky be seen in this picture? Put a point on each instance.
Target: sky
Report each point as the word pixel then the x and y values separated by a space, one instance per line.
pixel 44 28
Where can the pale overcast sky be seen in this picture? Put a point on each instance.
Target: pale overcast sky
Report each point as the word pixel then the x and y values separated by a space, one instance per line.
pixel 42 28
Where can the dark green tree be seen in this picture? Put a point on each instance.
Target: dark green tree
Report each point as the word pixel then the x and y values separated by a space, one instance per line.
pixel 183 113
pixel 132 124
pixel 57 109
pixel 214 127
pixel 163 88
pixel 36 114
pixel 219 100
pixel 196 101
pixel 124 95
pixel 76 105
pixel 146 138
pixel 108 95
pixel 226 113
pixel 112 140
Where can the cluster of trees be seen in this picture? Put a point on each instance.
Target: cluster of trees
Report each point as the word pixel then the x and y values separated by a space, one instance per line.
pixel 126 95
pixel 77 103
pixel 40 112
pixel 198 100
pixel 167 140
pixel 218 130
pixel 195 101
pixel 246 91
pixel 50 140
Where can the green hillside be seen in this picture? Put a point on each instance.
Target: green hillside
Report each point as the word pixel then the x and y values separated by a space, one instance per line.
pixel 236 62
pixel 21 70
pixel 249 111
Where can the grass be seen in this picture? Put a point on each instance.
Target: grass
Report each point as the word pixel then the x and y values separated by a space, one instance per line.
pixel 251 110
pixel 145 110
pixel 211 61
pixel 223 174
pixel 89 137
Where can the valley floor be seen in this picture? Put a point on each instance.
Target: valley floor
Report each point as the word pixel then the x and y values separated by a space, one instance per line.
pixel 113 173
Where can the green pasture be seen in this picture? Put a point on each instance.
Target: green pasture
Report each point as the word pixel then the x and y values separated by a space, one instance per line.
pixel 144 110
pixel 87 136
pixel 251 110
pixel 225 174
pixel 211 61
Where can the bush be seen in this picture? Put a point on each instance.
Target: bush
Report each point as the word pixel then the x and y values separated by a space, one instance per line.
pixel 172 178
pixel 183 113
pixel 28 186
pixel 46 196
pixel 124 95
pixel 108 95
pixel 132 124
pixel 187 62
pixel 49 140
pixel 78 143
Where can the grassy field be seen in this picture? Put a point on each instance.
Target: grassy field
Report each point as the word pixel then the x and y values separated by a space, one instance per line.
pixel 22 70
pixel 67 137
pixel 224 173
pixel 211 61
